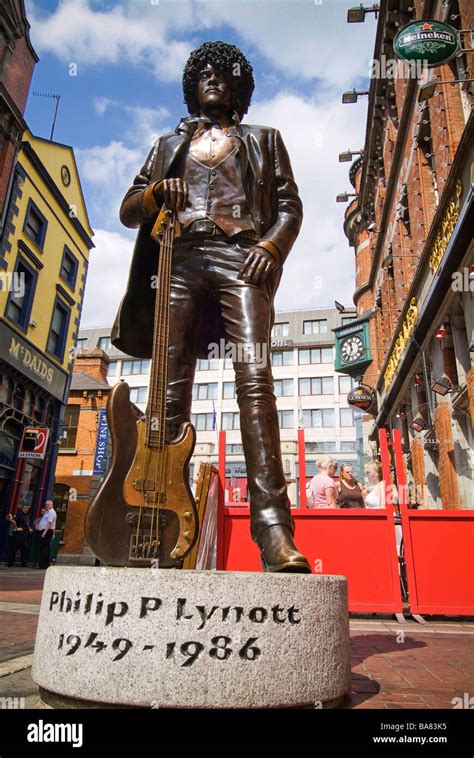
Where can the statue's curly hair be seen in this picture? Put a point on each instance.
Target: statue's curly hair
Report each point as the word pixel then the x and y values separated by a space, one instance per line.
pixel 227 58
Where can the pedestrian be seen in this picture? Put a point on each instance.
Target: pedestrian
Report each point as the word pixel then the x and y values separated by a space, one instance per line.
pixel 21 532
pixel 348 490
pixel 375 491
pixel 45 530
pixel 322 487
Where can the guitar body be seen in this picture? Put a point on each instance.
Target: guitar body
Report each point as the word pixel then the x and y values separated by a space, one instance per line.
pixel 111 521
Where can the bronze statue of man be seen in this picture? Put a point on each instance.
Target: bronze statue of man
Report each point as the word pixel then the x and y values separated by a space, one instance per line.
pixel 233 189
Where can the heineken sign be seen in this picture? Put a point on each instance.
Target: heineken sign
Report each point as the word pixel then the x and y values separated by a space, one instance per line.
pixel 426 40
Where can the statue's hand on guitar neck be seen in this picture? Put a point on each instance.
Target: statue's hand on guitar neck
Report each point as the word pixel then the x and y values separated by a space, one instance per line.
pixel 173 193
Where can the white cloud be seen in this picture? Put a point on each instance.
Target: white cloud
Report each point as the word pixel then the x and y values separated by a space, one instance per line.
pixel 107 278
pixel 144 124
pixel 320 268
pixel 128 33
pixel 298 37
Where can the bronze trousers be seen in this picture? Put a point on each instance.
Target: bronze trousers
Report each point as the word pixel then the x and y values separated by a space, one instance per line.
pixel 207 267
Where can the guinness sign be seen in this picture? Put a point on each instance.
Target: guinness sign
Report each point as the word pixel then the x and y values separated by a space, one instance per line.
pixel 362 397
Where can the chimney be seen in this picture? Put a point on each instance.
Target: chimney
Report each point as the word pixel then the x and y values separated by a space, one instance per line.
pixel 93 362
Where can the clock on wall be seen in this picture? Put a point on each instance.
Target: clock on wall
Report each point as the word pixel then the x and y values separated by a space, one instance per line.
pixel 353 347
pixel 65 176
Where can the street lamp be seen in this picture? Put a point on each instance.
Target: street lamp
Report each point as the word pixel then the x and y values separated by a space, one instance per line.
pixel 442 386
pixel 418 424
pixel 357 15
pixel 339 307
pixel 352 95
pixel 344 196
pixel 348 155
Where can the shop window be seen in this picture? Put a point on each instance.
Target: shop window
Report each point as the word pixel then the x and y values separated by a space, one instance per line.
pixel 20 298
pixel 35 225
pixel 69 268
pixel 58 330
pixel 6 390
pixel 19 397
pixel 70 426
pixel 39 410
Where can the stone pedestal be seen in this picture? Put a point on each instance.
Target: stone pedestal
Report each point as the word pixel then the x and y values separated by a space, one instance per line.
pixel 161 638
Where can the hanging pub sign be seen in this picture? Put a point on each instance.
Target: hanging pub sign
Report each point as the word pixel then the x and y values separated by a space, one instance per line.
pixel 362 397
pixel 34 442
pixel 433 42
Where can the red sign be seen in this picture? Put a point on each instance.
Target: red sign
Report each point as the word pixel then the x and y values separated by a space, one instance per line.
pixel 34 442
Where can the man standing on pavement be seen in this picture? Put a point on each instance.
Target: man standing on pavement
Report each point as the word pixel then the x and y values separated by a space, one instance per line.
pixel 20 536
pixel 45 529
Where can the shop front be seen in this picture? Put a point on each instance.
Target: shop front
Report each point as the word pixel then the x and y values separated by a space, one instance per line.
pixel 31 394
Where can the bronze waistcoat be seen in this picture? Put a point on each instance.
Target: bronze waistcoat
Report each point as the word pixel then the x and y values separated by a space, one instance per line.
pixel 211 166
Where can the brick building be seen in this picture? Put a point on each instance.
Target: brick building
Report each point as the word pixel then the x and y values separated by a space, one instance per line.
pixel 17 61
pixel 411 228
pixel 78 472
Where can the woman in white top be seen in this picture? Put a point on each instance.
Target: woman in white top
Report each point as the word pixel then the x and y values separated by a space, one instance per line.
pixel 375 492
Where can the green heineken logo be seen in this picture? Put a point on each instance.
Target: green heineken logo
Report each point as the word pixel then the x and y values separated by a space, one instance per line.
pixel 431 41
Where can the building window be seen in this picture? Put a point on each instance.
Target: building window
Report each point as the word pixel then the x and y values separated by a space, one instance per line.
pixel 315 355
pixel 81 343
pixel 69 268
pixel 228 363
pixel 207 364
pixel 39 410
pixel 234 448
pixel 205 391
pixel 318 417
pixel 346 383
pixel 203 421
pixel 282 357
pixel 20 298
pixel 35 225
pixel 283 387
pixel 321 385
pixel 138 394
pixel 348 447
pixel 135 367
pixel 347 416
pixel 58 330
pixel 104 343
pixel 112 368
pixel 347 320
pixel 320 447
pixel 230 420
pixel 285 419
pixel 281 329
pixel 317 326
pixel 228 390
pixel 70 425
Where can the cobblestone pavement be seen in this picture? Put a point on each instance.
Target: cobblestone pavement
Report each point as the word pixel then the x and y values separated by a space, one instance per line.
pixel 394 666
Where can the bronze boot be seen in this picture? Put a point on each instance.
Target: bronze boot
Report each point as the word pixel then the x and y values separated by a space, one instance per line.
pixel 278 552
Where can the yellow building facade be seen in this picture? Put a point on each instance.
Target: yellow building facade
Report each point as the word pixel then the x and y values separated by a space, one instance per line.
pixel 44 254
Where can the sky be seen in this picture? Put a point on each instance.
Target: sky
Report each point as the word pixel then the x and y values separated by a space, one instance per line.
pixel 117 66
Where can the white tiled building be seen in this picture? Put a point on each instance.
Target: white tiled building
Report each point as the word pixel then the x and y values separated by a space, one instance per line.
pixel 309 393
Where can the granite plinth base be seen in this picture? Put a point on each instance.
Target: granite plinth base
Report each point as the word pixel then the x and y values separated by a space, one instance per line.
pixel 161 638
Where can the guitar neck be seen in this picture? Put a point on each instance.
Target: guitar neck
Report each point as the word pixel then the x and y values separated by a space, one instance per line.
pixel 156 409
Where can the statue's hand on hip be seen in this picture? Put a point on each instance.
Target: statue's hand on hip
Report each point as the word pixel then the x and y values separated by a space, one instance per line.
pixel 258 264
pixel 173 193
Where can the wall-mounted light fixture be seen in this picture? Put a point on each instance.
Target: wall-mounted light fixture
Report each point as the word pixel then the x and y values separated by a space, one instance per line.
pixel 357 15
pixel 352 96
pixel 348 155
pixel 344 196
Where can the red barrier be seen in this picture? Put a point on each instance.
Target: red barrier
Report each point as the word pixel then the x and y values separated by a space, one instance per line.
pixel 358 544
pixel 439 553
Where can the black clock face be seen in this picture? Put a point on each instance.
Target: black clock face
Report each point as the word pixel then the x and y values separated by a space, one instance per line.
pixel 65 176
pixel 352 349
